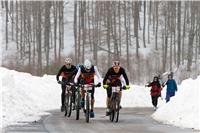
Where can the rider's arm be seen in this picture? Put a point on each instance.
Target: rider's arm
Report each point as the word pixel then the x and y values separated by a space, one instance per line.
pixel 74 71
pixel 77 75
pixel 150 84
pixel 122 80
pixel 59 73
pixel 125 77
pixel 106 77
pixel 97 73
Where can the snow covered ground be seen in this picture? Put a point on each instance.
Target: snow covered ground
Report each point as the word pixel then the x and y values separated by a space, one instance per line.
pixel 25 98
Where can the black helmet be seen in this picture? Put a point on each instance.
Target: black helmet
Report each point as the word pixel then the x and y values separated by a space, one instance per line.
pixel 155 78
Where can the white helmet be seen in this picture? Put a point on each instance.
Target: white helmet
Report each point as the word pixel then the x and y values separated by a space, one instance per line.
pixel 68 61
pixel 87 64
pixel 116 63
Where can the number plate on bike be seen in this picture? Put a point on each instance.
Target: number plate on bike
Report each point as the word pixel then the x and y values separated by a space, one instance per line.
pixel 87 87
pixel 116 89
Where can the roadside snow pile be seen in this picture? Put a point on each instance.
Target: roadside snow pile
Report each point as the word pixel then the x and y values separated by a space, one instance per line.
pixel 26 97
pixel 183 109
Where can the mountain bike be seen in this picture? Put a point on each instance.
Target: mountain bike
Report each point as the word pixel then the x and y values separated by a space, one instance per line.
pixel 115 103
pixel 68 99
pixel 87 106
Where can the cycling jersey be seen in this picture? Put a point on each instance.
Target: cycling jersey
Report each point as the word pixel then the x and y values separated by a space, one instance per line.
pixel 66 73
pixel 115 78
pixel 88 76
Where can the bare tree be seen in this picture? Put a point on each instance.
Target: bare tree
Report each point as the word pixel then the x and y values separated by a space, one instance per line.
pixel 179 33
pixel 144 25
pixel 6 4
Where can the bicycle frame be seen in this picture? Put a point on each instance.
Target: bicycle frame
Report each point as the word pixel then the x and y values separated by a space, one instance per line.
pixel 115 103
pixel 68 99
pixel 87 88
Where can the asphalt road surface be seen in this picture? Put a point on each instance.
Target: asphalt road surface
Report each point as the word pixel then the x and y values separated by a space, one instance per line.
pixel 131 120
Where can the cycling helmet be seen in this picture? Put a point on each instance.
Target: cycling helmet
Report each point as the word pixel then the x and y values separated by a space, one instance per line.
pixel 116 63
pixel 68 61
pixel 87 64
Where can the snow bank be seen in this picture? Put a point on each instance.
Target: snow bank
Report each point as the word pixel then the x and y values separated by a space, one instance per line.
pixel 183 109
pixel 26 97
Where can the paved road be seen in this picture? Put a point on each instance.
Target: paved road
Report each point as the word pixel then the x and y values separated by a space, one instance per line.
pixel 132 120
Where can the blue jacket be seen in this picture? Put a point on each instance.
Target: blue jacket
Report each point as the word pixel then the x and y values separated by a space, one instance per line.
pixel 171 85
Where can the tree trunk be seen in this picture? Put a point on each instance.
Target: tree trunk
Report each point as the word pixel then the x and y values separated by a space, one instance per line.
pixel 156 37
pixel 16 26
pixel 183 37
pixel 46 32
pixel 6 4
pixel 55 13
pixel 179 34
pixel 136 18
pixel 144 42
pixel 39 38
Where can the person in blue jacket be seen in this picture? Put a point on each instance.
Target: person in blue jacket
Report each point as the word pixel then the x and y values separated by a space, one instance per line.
pixel 171 88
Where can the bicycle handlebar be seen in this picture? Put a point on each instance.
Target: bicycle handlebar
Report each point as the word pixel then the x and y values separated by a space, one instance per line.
pixel 66 83
pixel 121 87
pixel 88 85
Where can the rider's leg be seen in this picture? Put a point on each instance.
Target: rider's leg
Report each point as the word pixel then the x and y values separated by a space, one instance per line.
pixel 120 96
pixel 108 102
pixel 82 97
pixel 73 94
pixel 108 99
pixel 82 94
pixel 63 97
pixel 92 104
pixel 92 99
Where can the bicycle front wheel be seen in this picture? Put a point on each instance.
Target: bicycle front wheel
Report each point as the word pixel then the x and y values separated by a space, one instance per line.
pixel 117 108
pixel 112 110
pixel 77 104
pixel 68 104
pixel 87 113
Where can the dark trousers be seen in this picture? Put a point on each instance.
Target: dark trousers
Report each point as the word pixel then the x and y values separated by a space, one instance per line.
pixel 63 95
pixel 155 100
pixel 168 95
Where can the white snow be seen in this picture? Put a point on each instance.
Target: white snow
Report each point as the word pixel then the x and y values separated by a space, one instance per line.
pixel 183 109
pixel 25 98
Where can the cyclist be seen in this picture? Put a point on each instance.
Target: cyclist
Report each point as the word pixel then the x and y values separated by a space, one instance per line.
pixel 87 72
pixel 114 77
pixel 67 71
